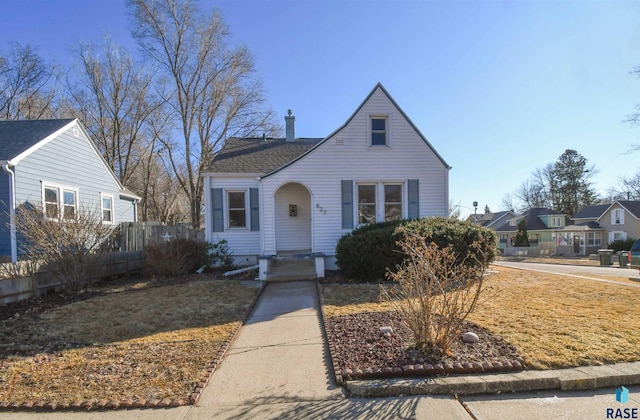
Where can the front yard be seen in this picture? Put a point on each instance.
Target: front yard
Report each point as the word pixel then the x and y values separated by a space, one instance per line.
pixel 553 320
pixel 142 341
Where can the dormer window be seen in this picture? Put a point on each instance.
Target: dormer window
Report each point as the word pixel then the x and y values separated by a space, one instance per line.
pixel 379 131
pixel 556 222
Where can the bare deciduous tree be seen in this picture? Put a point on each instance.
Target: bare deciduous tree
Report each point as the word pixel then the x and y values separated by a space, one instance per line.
pixel 114 98
pixel 28 85
pixel 216 93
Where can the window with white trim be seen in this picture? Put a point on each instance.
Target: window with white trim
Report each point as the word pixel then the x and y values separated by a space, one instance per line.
pixel 379 131
pixel 392 202
pixel 236 209
pixel 556 222
pixel 107 208
pixel 617 217
pixel 60 203
pixel 594 238
pixel 366 203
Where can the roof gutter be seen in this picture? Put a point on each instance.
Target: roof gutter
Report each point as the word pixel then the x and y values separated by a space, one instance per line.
pixel 6 166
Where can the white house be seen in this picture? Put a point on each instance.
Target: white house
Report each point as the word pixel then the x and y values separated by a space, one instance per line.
pixel 269 197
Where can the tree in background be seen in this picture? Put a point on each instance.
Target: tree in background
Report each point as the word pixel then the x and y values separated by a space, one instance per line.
pixel 114 98
pixel 570 183
pixel 522 237
pixel 487 210
pixel 563 186
pixel 28 85
pixel 215 92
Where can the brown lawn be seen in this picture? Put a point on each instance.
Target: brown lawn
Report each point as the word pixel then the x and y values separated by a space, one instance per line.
pixel 140 343
pixel 555 321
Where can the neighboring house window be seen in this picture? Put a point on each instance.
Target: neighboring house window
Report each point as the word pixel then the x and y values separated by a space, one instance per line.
pixel 392 202
pixel 60 202
pixel 594 238
pixel 616 236
pixel 533 239
pixel 378 131
pixel 107 209
pixel 556 222
pixel 617 217
pixel 236 202
pixel 565 238
pixel 366 203
pixel 503 238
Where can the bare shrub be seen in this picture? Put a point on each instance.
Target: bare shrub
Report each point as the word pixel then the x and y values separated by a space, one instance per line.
pixel 175 258
pixel 434 292
pixel 70 249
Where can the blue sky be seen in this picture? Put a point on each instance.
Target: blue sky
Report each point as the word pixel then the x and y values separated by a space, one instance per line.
pixel 498 87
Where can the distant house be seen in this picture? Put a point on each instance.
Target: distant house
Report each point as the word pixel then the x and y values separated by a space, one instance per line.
pixel 54 164
pixel 492 220
pixel 542 226
pixel 272 197
pixel 618 220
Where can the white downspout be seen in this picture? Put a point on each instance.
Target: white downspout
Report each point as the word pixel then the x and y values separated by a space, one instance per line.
pixel 12 210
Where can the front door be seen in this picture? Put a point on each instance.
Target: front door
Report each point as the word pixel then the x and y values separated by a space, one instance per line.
pixel 293 218
pixel 576 244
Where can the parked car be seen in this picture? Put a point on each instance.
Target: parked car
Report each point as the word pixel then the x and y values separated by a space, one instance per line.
pixel 634 255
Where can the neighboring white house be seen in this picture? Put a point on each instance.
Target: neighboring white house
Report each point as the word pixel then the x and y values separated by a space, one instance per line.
pixel 268 196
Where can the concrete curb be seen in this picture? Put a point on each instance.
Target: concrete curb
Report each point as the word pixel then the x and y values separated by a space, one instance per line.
pixel 129 404
pixel 582 378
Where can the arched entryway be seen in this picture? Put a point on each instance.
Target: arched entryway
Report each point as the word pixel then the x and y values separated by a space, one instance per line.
pixel 293 218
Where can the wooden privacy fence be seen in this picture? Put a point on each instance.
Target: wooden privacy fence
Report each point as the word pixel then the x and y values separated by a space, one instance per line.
pixel 134 236
pixel 40 283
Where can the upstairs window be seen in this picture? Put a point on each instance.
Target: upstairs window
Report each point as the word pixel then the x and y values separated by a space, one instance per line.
pixel 378 131
pixel 617 217
pixel 556 222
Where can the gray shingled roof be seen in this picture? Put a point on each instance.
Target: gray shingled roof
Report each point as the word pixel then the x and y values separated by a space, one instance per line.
pixel 18 136
pixel 632 206
pixel 591 212
pixel 257 155
pixel 532 220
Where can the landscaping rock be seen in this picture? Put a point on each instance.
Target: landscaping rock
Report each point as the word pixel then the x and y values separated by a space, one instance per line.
pixel 470 337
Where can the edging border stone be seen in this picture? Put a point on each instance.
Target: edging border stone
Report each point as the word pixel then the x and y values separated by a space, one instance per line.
pixel 130 404
pixel 581 378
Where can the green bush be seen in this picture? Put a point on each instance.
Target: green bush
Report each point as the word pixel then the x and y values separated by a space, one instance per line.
pixel 176 257
pixel 622 244
pixel 369 252
pixel 471 243
pixel 366 253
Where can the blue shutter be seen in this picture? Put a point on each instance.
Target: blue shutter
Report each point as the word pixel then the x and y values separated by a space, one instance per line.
pixel 347 204
pixel 414 199
pixel 216 206
pixel 254 209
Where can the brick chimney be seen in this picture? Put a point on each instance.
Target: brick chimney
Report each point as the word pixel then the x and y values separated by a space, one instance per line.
pixel 290 121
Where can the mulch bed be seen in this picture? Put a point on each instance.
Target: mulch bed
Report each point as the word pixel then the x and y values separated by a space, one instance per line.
pixel 360 350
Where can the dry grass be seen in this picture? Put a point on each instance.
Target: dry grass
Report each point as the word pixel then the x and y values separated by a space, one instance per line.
pixel 555 321
pixel 138 344
pixel 631 280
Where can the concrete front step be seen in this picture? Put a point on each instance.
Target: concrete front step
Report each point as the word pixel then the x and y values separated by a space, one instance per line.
pixel 285 270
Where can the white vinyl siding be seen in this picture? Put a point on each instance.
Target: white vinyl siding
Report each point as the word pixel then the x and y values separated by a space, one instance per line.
pixel 346 156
